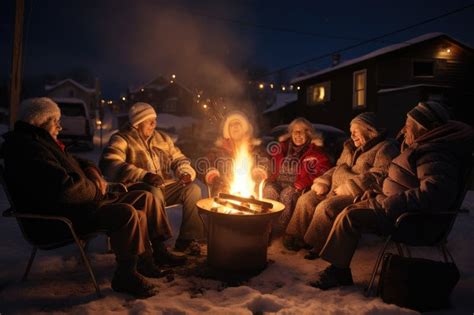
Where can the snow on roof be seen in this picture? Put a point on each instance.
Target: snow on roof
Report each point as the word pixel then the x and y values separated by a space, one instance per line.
pixel 158 87
pixel 370 55
pixel 406 87
pixel 67 100
pixel 82 87
pixel 281 100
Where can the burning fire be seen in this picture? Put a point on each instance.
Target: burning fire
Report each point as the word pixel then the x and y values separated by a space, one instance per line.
pixel 242 183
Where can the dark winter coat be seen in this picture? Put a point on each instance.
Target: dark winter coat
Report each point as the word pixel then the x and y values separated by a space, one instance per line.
pixel 44 179
pixel 313 162
pixel 362 168
pixel 425 176
pixel 127 157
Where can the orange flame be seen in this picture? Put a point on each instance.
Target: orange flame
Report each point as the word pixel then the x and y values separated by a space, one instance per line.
pixel 242 183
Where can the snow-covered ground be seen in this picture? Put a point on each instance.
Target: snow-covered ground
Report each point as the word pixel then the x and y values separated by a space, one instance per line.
pixel 58 282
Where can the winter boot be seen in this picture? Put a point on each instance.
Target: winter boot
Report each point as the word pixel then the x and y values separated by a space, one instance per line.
pixel 127 280
pixel 311 255
pixel 163 257
pixel 189 247
pixel 332 277
pixel 147 267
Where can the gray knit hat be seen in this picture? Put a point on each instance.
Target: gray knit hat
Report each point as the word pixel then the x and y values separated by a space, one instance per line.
pixel 366 119
pixel 36 111
pixel 429 114
pixel 140 112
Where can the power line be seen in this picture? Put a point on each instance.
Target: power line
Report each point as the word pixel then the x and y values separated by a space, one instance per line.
pixel 266 26
pixel 369 40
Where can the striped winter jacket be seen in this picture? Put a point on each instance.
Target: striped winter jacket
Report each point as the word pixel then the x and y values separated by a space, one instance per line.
pixel 127 158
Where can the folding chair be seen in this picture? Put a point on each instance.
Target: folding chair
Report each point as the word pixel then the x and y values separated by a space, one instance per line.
pixel 64 223
pixel 415 229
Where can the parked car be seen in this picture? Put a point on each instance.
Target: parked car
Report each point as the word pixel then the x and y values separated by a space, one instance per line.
pixel 76 122
pixel 333 138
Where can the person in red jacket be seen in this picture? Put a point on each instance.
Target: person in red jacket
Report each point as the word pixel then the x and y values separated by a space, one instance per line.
pixel 296 161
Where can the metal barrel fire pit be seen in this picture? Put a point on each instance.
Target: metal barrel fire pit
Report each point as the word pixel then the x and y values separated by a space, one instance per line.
pixel 238 240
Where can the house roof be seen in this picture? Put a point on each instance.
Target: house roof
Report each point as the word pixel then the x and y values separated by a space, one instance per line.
pixel 375 53
pixel 80 86
pixel 159 84
pixel 282 99
pixel 406 87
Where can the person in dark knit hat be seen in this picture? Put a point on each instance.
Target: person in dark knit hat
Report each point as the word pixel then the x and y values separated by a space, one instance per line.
pixel 43 178
pixel 362 165
pixel 144 158
pixel 425 177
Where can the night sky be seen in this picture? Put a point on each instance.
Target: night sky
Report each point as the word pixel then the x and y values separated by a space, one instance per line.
pixel 126 43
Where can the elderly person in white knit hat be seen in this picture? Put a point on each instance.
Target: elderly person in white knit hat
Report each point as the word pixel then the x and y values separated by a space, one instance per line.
pixel 362 165
pixel 144 158
pixel 236 131
pixel 43 178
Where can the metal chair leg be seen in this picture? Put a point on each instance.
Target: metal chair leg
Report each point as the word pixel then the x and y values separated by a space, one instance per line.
pixel 30 262
pixel 88 266
pixel 408 251
pixel 400 249
pixel 376 267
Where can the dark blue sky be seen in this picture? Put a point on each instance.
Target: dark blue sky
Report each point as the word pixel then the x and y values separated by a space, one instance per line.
pixel 125 43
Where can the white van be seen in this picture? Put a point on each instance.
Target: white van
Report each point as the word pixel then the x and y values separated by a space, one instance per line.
pixel 75 121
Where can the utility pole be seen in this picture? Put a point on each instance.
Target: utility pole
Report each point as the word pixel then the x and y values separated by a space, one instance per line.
pixel 15 83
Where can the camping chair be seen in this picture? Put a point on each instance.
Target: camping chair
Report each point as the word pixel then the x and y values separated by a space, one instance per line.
pixel 61 241
pixel 415 229
pixel 120 187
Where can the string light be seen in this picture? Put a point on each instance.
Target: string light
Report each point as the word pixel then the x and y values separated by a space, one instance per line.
pixel 261 86
pixel 124 98
pixel 173 76
pixel 298 88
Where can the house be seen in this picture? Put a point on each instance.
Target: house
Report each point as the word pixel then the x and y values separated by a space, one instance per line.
pixel 390 81
pixel 167 96
pixel 69 88
pixel 281 108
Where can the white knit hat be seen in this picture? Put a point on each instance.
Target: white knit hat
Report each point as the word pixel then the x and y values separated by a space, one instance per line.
pixel 242 119
pixel 140 112
pixel 36 111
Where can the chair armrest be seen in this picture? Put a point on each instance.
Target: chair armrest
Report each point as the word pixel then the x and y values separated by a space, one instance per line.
pixel 423 229
pixel 12 214
pixel 116 187
pixel 421 215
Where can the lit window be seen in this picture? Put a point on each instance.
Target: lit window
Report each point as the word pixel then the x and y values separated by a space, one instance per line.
pixel 319 93
pixel 359 98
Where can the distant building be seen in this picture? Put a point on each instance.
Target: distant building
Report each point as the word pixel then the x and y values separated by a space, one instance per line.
pixel 167 96
pixel 280 110
pixel 69 88
pixel 390 81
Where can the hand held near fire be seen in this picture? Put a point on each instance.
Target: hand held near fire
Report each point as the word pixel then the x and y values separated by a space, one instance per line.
pixel 153 179
pixel 94 175
pixel 320 189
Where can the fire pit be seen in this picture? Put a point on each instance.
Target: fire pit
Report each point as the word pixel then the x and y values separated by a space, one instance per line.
pixel 238 231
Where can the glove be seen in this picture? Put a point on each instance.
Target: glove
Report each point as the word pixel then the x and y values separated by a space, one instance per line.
pixel 153 179
pixel 320 189
pixel 185 179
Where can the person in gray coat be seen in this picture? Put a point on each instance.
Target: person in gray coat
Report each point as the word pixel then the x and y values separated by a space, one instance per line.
pixel 423 178
pixel 362 165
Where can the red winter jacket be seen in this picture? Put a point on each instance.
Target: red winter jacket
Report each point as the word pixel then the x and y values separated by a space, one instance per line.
pixel 313 163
